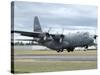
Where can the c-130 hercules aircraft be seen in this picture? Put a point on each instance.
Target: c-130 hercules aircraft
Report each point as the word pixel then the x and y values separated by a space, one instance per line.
pixel 58 42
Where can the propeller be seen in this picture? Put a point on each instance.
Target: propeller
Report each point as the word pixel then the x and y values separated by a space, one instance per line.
pixel 46 34
pixel 59 37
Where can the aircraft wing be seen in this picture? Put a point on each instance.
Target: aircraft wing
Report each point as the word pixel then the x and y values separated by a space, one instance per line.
pixel 29 34
pixel 38 34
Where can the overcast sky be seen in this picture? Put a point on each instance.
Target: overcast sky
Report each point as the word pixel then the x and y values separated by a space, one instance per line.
pixel 58 16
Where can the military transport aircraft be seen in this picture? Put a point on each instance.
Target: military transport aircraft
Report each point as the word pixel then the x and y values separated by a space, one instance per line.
pixel 58 42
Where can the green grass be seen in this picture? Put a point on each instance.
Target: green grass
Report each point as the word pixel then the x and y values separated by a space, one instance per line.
pixel 50 66
pixel 50 52
pixel 34 66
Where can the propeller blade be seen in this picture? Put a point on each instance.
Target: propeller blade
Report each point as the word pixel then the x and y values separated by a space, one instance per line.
pixel 61 38
pixel 58 38
pixel 46 36
pixel 49 29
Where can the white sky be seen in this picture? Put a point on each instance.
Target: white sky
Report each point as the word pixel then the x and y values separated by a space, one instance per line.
pixel 71 18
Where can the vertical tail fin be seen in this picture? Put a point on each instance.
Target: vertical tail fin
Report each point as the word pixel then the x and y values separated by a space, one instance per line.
pixel 37 27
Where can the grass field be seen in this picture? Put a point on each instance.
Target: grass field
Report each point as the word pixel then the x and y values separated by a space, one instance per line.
pixel 50 52
pixel 51 66
pixel 34 66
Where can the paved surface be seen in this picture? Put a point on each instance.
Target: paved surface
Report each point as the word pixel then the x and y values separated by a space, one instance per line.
pixel 58 58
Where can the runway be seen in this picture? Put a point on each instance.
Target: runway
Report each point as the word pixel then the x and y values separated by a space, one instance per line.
pixel 57 58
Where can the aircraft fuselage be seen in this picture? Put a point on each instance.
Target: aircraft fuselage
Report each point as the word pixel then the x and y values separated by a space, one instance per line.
pixel 70 41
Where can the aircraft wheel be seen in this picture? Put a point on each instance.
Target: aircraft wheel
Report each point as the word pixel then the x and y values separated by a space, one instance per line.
pixel 68 50
pixel 58 51
pixel 72 50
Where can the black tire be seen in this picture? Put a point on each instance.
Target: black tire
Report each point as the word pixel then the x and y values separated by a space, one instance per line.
pixel 72 50
pixel 68 50
pixel 58 51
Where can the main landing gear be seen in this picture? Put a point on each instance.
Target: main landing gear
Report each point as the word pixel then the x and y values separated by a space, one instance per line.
pixel 60 50
pixel 70 49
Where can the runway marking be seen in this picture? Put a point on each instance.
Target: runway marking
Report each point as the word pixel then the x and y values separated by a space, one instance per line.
pixel 61 58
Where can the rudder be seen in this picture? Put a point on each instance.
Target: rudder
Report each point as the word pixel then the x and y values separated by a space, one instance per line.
pixel 37 27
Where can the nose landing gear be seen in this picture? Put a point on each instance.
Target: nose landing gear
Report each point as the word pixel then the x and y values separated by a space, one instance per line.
pixel 60 50
pixel 86 47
